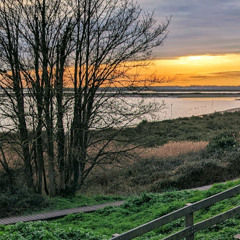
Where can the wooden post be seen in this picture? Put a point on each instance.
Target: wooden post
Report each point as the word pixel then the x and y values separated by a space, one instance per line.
pixel 189 223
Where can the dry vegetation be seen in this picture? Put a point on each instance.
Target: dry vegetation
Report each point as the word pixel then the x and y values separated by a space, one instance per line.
pixel 172 149
pixel 181 165
pixel 146 168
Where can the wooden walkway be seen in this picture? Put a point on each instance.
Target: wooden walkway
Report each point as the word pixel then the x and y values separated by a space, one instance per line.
pixel 56 214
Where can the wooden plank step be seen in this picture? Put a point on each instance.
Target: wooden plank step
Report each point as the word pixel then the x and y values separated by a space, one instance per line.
pixel 56 214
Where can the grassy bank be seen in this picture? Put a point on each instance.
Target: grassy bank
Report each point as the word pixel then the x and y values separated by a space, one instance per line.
pixel 136 211
pixel 202 128
pixel 181 153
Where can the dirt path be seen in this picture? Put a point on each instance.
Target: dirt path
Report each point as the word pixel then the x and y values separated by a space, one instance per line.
pixel 203 188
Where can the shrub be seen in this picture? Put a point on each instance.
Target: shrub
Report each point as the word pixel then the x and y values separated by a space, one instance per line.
pixel 223 142
pixel 18 201
pixel 6 181
pixel 142 126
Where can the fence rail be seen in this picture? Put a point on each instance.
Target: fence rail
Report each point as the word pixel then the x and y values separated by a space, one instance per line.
pixel 187 212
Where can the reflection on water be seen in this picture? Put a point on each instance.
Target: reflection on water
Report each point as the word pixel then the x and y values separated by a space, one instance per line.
pixel 175 107
pixel 187 107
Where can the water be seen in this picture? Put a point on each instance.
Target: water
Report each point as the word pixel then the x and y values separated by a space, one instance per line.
pixel 171 108
pixel 187 107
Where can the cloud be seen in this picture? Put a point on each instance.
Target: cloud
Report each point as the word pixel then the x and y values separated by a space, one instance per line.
pixel 226 74
pixel 198 27
pixel 218 75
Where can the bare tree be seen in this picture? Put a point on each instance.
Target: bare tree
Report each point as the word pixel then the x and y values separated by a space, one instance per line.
pixel 12 79
pixel 36 33
pixel 108 35
pixel 89 46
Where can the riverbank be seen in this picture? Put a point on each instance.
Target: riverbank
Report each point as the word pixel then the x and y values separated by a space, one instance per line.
pixel 174 154
pixel 231 110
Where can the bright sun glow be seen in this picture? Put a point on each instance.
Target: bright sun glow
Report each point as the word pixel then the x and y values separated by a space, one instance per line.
pixel 200 60
pixel 194 57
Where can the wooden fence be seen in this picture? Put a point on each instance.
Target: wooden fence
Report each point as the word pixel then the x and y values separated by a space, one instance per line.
pixel 187 212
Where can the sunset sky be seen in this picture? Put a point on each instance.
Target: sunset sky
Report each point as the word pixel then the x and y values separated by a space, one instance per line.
pixel 203 44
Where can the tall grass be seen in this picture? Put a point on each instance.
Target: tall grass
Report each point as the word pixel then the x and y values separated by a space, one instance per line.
pixel 172 149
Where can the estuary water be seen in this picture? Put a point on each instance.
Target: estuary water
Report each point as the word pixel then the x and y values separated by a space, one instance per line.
pixel 171 107
pixel 176 107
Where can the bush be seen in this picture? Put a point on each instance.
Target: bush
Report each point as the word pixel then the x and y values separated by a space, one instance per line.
pixel 223 142
pixel 19 201
pixel 142 126
pixel 11 180
pixel 6 182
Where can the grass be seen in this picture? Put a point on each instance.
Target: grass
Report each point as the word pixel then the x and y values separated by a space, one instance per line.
pixel 136 211
pixel 203 128
pixel 58 203
pixel 171 149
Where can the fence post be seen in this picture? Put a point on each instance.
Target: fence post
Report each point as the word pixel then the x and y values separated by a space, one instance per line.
pixel 190 223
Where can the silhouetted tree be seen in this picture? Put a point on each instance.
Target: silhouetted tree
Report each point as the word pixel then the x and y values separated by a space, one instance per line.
pixel 89 46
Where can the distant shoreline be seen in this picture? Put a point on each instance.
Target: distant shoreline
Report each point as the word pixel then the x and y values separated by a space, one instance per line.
pixel 178 95
pixel 230 110
pixel 159 92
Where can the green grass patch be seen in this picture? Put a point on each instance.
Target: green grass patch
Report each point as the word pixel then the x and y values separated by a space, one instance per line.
pixel 149 206
pixel 136 211
pixel 44 231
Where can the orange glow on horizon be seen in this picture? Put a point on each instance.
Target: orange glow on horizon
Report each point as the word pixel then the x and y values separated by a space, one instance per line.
pixel 202 70
pixel 195 70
